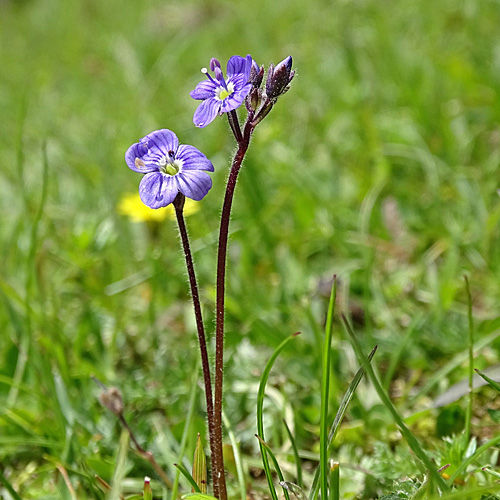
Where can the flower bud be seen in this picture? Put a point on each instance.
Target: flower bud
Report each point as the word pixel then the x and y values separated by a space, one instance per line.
pixel 256 75
pixel 279 77
pixel 112 400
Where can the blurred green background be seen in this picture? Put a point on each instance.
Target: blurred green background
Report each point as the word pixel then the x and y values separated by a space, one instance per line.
pixel 381 165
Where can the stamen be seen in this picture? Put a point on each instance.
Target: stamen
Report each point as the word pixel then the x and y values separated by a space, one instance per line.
pixel 214 63
pixel 207 74
pixel 220 77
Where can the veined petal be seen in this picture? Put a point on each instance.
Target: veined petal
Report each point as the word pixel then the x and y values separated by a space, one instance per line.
pixel 137 161
pixel 206 112
pixel 193 159
pixel 161 141
pixel 158 190
pixel 239 65
pixel 239 82
pixel 248 67
pixel 194 184
pixel 235 99
pixel 203 90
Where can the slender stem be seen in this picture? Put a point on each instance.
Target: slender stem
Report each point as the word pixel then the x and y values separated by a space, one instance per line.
pixel 219 328
pixel 235 125
pixel 179 205
pixel 144 453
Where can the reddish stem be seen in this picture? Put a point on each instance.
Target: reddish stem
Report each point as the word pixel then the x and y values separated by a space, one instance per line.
pixel 179 205
pixel 218 473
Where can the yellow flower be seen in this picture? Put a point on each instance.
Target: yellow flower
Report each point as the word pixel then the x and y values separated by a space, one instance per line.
pixel 132 206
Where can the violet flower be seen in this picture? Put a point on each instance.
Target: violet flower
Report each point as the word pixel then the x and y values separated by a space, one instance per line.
pixel 221 95
pixel 170 168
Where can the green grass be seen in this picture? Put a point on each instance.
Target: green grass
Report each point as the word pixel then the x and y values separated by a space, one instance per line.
pixel 381 165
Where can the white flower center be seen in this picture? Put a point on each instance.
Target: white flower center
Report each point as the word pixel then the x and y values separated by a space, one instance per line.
pixel 167 166
pixel 221 93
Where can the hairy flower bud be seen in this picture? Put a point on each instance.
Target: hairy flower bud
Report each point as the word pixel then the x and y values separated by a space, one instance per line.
pixel 112 400
pixel 256 75
pixel 279 77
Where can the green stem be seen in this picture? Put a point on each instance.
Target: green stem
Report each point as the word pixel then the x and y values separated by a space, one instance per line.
pixel 325 392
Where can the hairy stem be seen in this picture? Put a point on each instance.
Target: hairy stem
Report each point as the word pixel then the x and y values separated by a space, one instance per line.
pixel 179 205
pixel 219 328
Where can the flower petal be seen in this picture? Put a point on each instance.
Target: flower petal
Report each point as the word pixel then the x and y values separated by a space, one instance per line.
pixel 194 184
pixel 235 99
pixel 206 112
pixel 193 159
pixel 158 190
pixel 239 65
pixel 203 90
pixel 161 142
pixel 138 161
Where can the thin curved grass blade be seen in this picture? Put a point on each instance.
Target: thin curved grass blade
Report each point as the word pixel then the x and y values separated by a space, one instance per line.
pixel 490 381
pixel 260 412
pixel 276 465
pixel 189 477
pixel 298 463
pixel 313 494
pixel 237 457
pixel 325 392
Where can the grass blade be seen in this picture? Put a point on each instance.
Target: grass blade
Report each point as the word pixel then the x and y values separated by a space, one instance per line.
pixel 188 476
pixel 298 463
pixel 325 392
pixel 120 467
pixel 313 494
pixel 9 487
pixel 237 457
pixel 276 465
pixel 468 414
pixel 334 481
pixel 187 425
pixel 260 412
pixel 490 381
pixel 409 437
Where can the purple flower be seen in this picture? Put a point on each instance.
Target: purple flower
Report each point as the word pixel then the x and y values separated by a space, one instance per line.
pixel 170 168
pixel 221 95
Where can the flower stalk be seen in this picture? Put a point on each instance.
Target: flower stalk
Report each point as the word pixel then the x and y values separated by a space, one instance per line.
pixel 218 474
pixel 179 206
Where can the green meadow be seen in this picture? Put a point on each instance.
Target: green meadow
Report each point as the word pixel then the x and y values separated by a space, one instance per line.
pixel 381 166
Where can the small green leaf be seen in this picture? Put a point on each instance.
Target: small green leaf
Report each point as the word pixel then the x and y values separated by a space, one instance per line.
pixel 197 496
pixel 200 466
